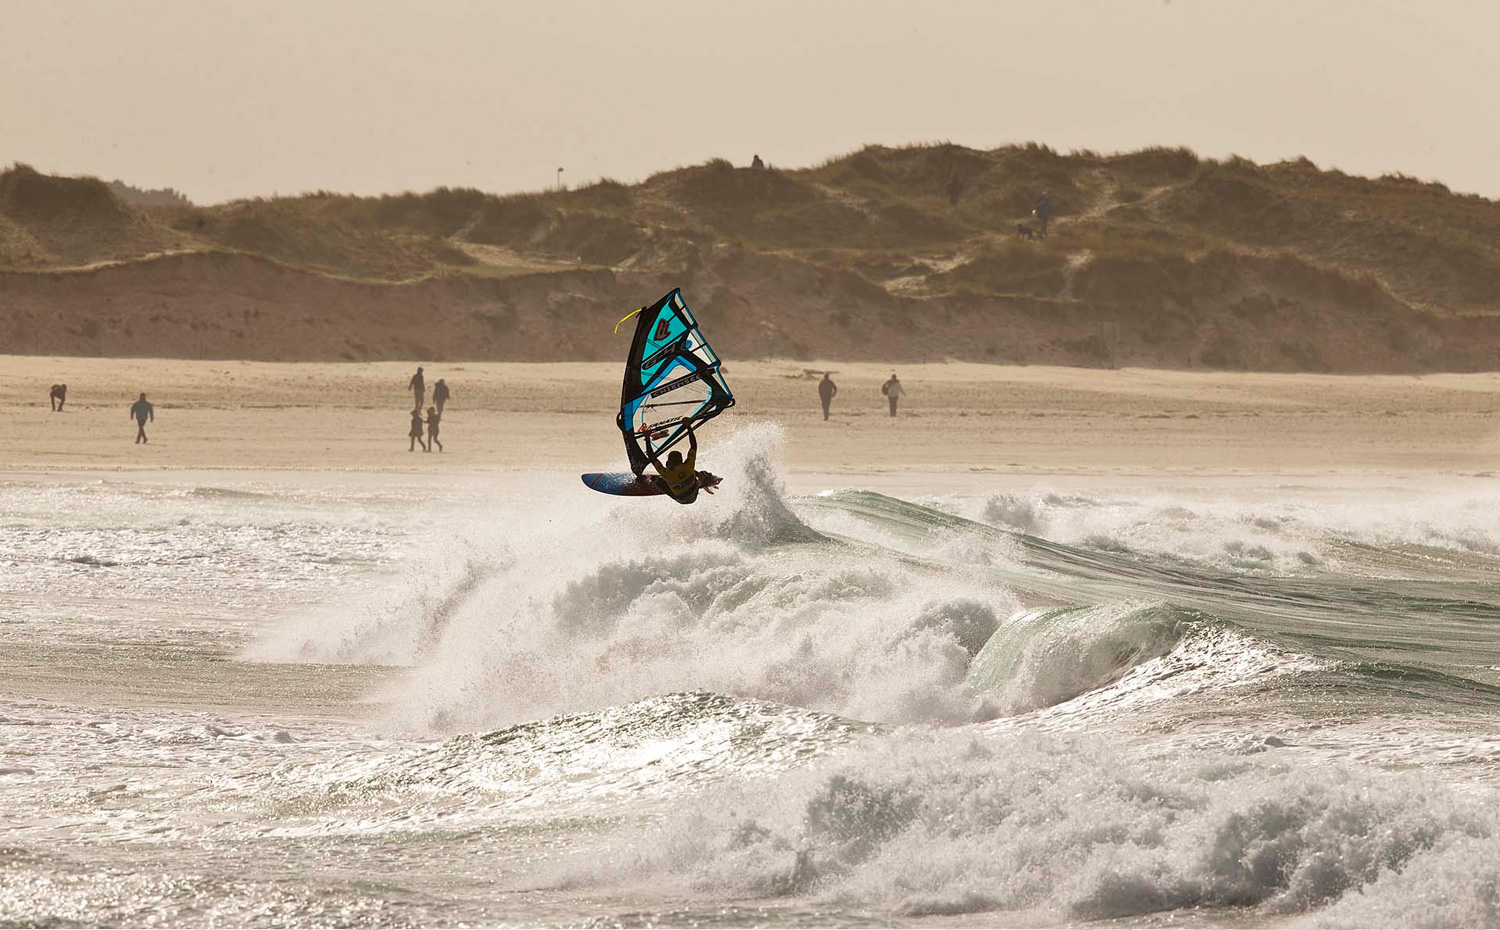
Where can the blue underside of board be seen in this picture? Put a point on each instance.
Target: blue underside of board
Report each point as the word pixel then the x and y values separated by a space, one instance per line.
pixel 622 483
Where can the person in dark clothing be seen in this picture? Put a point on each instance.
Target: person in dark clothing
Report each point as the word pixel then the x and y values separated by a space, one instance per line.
pixel 416 432
pixel 418 386
pixel 58 397
pixel 1043 213
pixel 892 390
pixel 142 410
pixel 826 391
pixel 433 418
pixel 757 163
pixel 955 188
pixel 440 394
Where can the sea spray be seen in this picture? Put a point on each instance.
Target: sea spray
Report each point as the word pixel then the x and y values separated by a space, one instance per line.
pixel 593 602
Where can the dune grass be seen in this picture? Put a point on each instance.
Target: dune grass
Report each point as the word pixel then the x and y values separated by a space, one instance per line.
pixel 875 211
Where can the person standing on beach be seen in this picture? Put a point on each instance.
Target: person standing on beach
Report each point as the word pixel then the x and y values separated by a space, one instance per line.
pixel 433 418
pixel 826 391
pixel 892 390
pixel 440 395
pixel 142 410
pixel 58 397
pixel 416 433
pixel 418 386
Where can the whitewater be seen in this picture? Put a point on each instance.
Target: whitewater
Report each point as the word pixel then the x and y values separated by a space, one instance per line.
pixel 325 699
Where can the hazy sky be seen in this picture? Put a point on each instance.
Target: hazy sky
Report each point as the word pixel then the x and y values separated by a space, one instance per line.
pixel 245 97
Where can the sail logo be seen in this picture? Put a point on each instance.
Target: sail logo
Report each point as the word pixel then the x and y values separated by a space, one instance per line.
pixel 650 364
pixel 658 430
pixel 663 329
pixel 674 385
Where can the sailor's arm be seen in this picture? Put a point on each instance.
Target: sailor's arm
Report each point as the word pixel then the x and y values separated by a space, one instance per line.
pixel 652 457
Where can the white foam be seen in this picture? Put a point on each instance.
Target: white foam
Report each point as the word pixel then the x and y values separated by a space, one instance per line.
pixel 1073 829
pixel 595 602
pixel 1266 530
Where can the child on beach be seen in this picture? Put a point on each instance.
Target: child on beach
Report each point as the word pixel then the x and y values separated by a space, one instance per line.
pixel 416 432
pixel 432 429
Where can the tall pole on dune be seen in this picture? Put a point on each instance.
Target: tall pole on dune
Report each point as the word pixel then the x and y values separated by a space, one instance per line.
pixel 559 179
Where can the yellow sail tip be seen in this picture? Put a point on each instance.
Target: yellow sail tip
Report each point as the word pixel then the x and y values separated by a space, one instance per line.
pixel 626 317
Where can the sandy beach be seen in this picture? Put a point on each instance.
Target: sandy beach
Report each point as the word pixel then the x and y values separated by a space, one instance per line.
pixel 955 418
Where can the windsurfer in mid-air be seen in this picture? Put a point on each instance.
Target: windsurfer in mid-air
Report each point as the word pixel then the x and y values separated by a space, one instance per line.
pixel 670 367
pixel 679 475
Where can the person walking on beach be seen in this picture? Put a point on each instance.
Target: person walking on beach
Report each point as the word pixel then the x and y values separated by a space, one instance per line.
pixel 416 432
pixel 1043 213
pixel 418 386
pixel 58 397
pixel 826 391
pixel 433 418
pixel 440 395
pixel 142 410
pixel 892 390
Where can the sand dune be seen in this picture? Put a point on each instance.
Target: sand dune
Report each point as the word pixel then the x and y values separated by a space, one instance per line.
pixel 1158 259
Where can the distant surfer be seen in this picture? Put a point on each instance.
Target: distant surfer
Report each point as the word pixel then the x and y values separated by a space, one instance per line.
pixel 440 395
pixel 826 392
pixel 418 386
pixel 433 419
pixel 142 410
pixel 893 391
pixel 416 432
pixel 58 397
pixel 679 477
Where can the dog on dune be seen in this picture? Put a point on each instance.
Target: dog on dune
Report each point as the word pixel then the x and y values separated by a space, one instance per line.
pixel 1024 231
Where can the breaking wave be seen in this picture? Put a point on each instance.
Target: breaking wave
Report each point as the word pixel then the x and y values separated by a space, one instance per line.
pixel 1054 829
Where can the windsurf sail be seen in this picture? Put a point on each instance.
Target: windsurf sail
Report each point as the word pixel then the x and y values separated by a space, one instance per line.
pixel 672 381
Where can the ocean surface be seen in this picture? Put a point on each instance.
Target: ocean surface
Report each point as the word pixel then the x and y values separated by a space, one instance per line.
pixel 361 700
